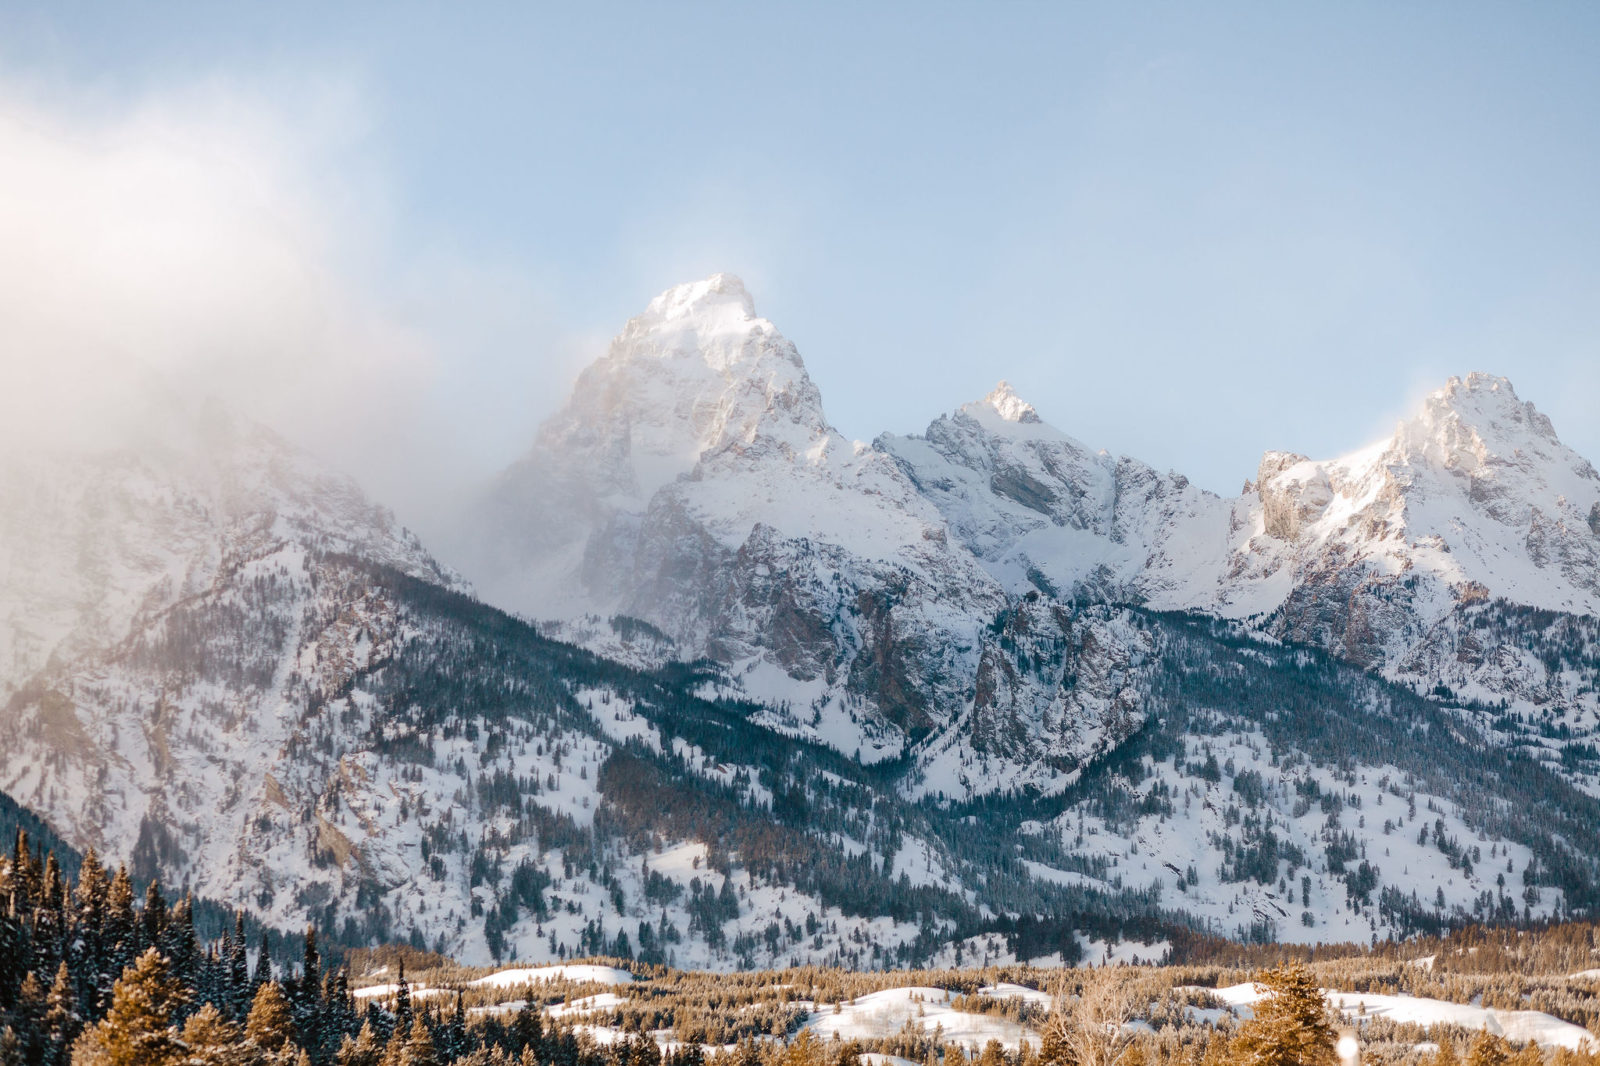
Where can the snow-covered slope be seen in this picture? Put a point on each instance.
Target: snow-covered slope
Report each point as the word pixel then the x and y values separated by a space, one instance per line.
pixel 875 595
pixel 1473 498
pixel 693 481
pixel 1044 511
pixel 91 542
pixel 167 609
pixel 1108 690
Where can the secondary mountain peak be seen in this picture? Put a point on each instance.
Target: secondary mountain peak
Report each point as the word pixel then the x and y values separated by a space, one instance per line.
pixel 1472 420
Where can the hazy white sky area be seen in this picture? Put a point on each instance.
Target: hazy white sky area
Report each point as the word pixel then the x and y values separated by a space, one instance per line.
pixel 1187 233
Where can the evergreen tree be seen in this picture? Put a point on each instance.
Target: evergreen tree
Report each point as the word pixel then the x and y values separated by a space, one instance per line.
pixel 95 981
pixel 1488 1050
pixel 139 1029
pixel 263 973
pixel 338 1010
pixel 1291 1026
pixel 61 1022
pixel 419 1049
pixel 213 1040
pixel 402 1002
pixel 271 1022
pixel 364 1049
pixel 27 1019
pixel 48 942
pixel 122 929
pixel 527 1029
pixel 240 994
pixel 14 958
pixel 311 967
pixel 25 876
pixel 308 1007
pixel 182 949
pixel 153 919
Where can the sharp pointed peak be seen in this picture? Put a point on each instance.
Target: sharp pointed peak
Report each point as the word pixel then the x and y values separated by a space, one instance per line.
pixel 1485 402
pixel 1009 406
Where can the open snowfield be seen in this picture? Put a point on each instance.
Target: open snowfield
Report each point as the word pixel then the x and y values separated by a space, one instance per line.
pixel 886 1013
pixel 600 975
pixel 1516 1025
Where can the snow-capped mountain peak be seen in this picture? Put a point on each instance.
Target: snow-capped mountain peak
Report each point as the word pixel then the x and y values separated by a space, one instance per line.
pixel 1009 406
pixel 1475 487
pixel 1473 415
pixel 712 320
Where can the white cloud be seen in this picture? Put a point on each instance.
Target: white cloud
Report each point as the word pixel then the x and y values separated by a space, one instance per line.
pixel 241 248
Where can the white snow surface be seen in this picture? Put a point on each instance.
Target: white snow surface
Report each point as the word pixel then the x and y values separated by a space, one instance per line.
pixel 1519 1026
pixel 885 1013
pixel 600 975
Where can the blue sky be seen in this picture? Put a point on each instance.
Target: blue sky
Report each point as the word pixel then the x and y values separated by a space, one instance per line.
pixel 1187 232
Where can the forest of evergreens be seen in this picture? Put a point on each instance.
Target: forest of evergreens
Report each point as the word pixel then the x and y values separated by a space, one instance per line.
pixel 93 973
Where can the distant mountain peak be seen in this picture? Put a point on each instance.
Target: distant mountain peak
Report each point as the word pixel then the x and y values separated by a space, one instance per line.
pixel 1011 407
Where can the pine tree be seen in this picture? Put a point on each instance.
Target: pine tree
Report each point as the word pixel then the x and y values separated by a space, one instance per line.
pixel 263 972
pixel 139 1028
pixel 61 1022
pixel 27 1018
pixel 271 1023
pixel 1488 1050
pixel 419 1050
pixel 50 919
pixel 240 994
pixel 213 1040
pixel 153 919
pixel 182 949
pixel 364 1050
pixel 527 1028
pixel 95 980
pixel 311 967
pixel 25 880
pixel 308 1006
pixel 122 929
pixel 1291 1026
pixel 15 957
pixel 339 1009
pixel 402 1001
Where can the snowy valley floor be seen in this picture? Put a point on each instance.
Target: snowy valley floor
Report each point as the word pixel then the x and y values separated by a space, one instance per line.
pixel 1530 989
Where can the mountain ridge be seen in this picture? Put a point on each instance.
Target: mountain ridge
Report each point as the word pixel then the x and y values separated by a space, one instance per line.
pixel 1367 555
pixel 794 698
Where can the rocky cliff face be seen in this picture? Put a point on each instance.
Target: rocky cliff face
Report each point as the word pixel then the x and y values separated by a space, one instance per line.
pixel 1055 689
pixel 697 485
pixel 1043 511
